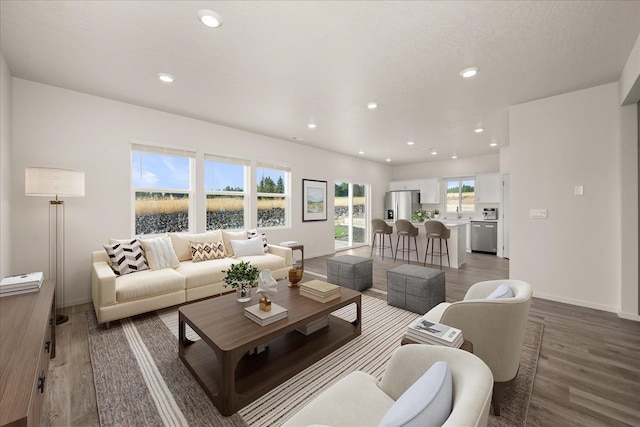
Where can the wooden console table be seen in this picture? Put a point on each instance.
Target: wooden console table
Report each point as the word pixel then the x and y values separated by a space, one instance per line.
pixel 27 342
pixel 219 361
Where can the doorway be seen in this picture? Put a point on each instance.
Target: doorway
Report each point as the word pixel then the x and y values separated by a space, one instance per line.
pixel 350 215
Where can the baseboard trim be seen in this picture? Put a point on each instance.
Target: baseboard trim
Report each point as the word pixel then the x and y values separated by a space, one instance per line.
pixel 629 316
pixel 577 302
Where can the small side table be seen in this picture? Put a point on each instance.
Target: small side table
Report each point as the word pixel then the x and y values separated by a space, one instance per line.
pixel 466 344
pixel 295 247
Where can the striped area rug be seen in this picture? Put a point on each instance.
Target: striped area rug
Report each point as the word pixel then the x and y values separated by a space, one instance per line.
pixel 382 329
pixel 140 379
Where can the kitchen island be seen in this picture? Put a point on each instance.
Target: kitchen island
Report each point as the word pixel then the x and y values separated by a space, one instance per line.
pixel 457 242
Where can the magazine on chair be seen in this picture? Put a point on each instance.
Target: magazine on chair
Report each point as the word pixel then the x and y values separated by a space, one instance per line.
pixel 426 332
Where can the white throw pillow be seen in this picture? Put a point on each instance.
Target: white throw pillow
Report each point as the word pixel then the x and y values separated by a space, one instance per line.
pixel 253 234
pixel 502 291
pixel 428 402
pixel 247 247
pixel 228 237
pixel 159 252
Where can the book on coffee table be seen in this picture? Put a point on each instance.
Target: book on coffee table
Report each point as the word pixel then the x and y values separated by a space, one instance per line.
pixel 264 318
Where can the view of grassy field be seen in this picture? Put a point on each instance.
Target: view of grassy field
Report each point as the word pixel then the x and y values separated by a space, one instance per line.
pixel 230 203
pixel 468 202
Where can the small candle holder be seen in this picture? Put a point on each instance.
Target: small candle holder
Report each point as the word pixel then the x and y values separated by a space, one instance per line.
pixel 265 304
pixel 295 275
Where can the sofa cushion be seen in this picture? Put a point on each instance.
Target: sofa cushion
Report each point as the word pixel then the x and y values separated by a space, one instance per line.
pixel 159 252
pixel 502 291
pixel 182 242
pixel 206 251
pixel 253 234
pixel 264 261
pixel 204 273
pixel 126 258
pixel 428 402
pixel 228 236
pixel 247 247
pixel 148 283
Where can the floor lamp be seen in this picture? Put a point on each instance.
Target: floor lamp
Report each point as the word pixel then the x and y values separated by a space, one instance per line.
pixel 55 183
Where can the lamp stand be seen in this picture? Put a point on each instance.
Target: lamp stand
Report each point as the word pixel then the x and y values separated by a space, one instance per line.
pixel 56 250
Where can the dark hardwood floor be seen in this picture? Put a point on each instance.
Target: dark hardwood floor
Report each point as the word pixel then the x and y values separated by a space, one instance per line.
pixel 588 372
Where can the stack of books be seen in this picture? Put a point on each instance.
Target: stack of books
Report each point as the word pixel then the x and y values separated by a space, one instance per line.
pixel 21 284
pixel 263 318
pixel 320 291
pixel 425 332
pixel 314 326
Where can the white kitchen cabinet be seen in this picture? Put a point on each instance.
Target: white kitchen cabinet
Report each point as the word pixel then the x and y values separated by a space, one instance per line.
pixel 430 190
pixel 404 185
pixel 488 188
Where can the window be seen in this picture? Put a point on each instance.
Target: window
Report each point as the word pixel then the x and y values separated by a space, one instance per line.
pixel 461 195
pixel 224 184
pixel 350 214
pixel 272 191
pixel 161 189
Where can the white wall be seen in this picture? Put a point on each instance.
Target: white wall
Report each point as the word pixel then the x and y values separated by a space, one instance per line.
pixel 61 128
pixel 447 168
pixel 557 143
pixel 5 168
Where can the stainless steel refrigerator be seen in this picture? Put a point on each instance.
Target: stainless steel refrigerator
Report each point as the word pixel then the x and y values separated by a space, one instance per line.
pixel 401 204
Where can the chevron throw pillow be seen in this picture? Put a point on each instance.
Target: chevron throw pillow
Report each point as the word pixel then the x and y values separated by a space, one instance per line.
pixel 126 257
pixel 204 251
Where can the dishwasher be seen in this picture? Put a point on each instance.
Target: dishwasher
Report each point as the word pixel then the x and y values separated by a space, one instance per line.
pixel 484 236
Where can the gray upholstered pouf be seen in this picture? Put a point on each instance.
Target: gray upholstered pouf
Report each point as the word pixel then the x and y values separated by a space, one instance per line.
pixel 350 271
pixel 415 288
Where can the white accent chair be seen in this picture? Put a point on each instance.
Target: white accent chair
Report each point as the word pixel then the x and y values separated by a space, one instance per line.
pixel 360 400
pixel 496 327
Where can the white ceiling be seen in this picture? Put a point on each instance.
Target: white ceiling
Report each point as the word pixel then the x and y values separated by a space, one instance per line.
pixel 275 66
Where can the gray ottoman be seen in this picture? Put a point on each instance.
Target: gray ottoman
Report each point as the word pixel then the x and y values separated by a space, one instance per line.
pixel 415 288
pixel 350 271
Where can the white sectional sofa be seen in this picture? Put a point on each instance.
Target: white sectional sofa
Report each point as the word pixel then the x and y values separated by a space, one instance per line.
pixel 119 296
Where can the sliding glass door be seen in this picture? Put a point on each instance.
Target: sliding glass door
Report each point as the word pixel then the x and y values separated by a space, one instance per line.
pixel 350 214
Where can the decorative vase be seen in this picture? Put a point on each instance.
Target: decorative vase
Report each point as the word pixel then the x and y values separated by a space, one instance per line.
pixel 295 275
pixel 243 292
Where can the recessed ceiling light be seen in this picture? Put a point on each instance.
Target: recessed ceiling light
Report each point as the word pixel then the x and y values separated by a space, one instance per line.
pixel 311 125
pixel 360 152
pixel 296 138
pixel 167 78
pixel 372 105
pixel 387 159
pixel 210 18
pixel 478 130
pixel 410 142
pixel 467 73
pixel 493 144
pixel 434 152
pixel 455 156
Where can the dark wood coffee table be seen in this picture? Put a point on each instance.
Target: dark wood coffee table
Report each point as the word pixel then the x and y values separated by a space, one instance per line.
pixel 220 361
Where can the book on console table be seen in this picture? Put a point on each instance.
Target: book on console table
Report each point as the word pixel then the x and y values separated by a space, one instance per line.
pixel 21 283
pixel 264 318
pixel 425 332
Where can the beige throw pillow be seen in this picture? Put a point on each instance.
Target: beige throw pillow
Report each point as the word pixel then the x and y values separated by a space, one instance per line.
pixel 228 236
pixel 159 252
pixel 182 242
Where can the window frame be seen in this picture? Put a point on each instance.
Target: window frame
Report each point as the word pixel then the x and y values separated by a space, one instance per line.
pixel 286 169
pixel 246 164
pixel 459 180
pixel 149 148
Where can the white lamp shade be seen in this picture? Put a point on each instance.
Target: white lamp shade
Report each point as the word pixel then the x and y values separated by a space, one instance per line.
pixel 53 182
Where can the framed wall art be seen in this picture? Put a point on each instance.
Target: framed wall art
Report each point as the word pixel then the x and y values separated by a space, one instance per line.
pixel 314 200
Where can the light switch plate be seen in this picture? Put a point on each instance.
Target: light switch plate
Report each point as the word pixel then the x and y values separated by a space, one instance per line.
pixel 578 190
pixel 538 213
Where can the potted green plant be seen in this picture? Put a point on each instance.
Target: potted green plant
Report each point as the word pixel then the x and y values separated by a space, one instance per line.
pixel 420 215
pixel 436 213
pixel 242 276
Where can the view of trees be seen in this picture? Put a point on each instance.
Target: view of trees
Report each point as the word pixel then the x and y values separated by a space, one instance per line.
pixel 342 190
pixel 465 189
pixel 266 185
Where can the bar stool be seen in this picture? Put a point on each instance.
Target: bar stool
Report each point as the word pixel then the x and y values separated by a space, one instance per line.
pixel 381 228
pixel 406 230
pixel 437 230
